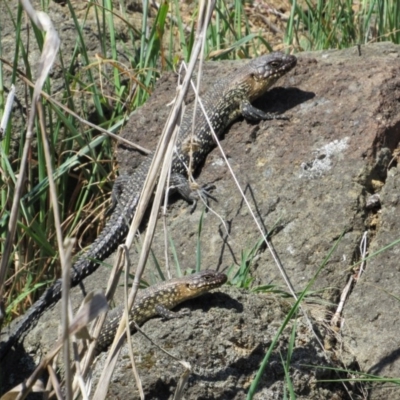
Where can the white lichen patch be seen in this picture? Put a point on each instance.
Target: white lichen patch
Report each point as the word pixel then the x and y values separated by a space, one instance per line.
pixel 324 159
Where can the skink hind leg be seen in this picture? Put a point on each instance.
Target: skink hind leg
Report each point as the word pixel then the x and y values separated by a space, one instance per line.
pixel 191 193
pixel 179 183
pixel 116 192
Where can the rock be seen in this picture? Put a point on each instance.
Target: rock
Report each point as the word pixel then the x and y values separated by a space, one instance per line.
pixel 310 179
pixel 225 340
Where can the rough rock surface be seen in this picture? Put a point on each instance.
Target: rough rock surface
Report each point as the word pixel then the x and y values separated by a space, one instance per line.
pixel 310 179
pixel 245 326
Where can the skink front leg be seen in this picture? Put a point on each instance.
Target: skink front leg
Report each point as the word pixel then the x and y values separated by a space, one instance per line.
pixel 252 113
pixel 163 312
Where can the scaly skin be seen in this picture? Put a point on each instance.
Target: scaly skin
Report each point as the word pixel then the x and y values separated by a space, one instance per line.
pixel 229 98
pixel 158 300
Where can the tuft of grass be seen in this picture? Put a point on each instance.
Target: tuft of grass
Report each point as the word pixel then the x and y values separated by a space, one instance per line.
pixel 286 364
pixel 331 24
pixel 239 276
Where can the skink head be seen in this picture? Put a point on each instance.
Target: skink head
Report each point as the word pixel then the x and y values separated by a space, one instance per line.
pixel 272 65
pixel 208 278
pixel 264 71
pixel 201 282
